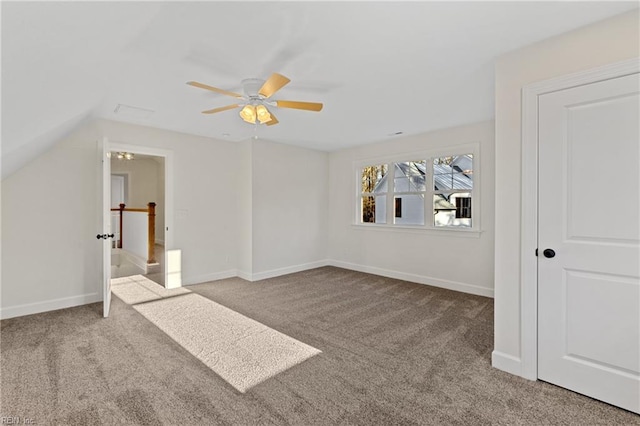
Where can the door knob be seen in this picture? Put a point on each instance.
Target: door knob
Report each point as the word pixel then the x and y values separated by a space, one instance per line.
pixel 105 236
pixel 549 253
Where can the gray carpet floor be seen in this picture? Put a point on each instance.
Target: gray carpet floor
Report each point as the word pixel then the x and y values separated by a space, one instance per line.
pixel 393 352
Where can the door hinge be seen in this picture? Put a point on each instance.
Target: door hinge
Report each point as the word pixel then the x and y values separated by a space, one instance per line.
pixel 536 252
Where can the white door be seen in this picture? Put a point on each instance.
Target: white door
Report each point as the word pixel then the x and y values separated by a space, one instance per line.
pixel 589 215
pixel 117 191
pixel 106 224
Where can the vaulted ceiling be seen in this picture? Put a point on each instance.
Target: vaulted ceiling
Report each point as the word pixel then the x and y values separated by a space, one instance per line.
pixel 378 67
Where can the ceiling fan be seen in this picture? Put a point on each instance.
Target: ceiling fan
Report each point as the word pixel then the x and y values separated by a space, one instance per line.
pixel 256 98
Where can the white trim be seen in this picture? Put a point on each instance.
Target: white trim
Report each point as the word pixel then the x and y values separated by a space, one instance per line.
pixel 200 279
pixel 133 258
pixel 419 279
pixel 244 275
pixel 49 305
pixel 420 229
pixel 288 270
pixel 505 362
pixel 254 277
pixel 68 302
pixel 529 210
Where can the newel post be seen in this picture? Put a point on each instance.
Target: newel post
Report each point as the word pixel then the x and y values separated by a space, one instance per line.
pixel 152 232
pixel 120 234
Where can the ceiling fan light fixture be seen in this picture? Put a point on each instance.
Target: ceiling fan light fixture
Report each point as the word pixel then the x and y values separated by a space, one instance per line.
pixel 248 114
pixel 263 114
pixel 257 99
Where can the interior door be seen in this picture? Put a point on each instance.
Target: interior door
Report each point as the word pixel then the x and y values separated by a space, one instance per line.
pixel 589 235
pixel 106 225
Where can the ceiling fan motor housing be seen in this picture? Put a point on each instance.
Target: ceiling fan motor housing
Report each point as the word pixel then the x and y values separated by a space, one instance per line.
pixel 251 86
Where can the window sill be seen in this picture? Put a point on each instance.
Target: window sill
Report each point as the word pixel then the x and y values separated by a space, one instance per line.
pixel 442 232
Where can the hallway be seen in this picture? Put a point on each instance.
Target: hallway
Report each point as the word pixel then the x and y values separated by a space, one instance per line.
pixel 122 267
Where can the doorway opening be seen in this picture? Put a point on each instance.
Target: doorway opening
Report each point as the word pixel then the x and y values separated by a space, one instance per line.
pixel 140 215
pixel 137 215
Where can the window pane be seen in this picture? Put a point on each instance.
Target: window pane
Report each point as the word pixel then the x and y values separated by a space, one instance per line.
pixel 374 209
pixel 445 210
pixel 452 181
pixel 455 172
pixel 410 176
pixel 418 183
pixel 411 210
pixel 401 184
pixel 374 179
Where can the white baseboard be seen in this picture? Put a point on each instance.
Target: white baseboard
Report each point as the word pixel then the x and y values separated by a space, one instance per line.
pixel 288 270
pixel 505 362
pixel 199 279
pixel 134 259
pixel 244 275
pixel 500 361
pixel 420 279
pixel 49 305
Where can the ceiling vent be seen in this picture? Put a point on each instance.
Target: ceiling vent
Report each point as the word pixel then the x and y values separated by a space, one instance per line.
pixel 132 112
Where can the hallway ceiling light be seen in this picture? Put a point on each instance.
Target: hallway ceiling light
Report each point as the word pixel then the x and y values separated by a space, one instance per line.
pixel 124 156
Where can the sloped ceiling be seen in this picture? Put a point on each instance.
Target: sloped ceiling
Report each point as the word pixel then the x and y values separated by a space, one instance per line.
pixel 379 67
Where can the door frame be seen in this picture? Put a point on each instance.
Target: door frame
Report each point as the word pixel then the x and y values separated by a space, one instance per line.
pixel 529 201
pixel 168 195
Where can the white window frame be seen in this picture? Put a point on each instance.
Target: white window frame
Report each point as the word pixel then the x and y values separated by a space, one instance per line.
pixel 428 155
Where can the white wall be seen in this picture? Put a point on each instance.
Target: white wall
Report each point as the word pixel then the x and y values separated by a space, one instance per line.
pixel 602 43
pixel 255 208
pixel 244 200
pixel 289 208
pixel 441 258
pixel 136 232
pixel 205 182
pixel 50 217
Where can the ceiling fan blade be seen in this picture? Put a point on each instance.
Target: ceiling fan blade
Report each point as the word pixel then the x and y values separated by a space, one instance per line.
pixel 214 89
pixel 273 120
pixel 224 108
pixel 273 84
pixel 309 106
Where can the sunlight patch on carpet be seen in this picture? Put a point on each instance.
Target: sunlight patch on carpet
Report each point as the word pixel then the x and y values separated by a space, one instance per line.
pixel 139 289
pixel 242 351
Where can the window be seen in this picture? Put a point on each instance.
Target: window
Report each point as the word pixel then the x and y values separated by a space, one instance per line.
pixel 452 186
pixel 374 194
pixel 409 189
pixel 433 192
